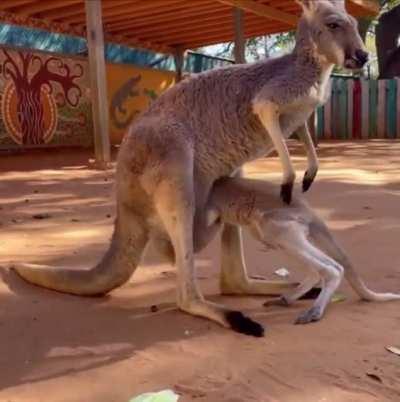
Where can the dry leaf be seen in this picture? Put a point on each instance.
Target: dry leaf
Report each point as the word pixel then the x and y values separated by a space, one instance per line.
pixel 393 349
pixel 374 377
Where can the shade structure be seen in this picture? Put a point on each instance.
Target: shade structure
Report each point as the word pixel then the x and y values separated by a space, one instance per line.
pixel 165 25
pixel 168 26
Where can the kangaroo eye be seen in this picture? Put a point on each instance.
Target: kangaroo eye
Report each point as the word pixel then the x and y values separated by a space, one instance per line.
pixel 333 25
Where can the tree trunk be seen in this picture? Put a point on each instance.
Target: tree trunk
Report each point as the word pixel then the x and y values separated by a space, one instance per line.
pixel 363 26
pixel 387 34
pixel 30 116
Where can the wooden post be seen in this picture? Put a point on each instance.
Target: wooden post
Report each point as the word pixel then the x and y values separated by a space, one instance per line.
pixel 320 122
pixel 364 109
pixel 328 115
pixel 373 108
pixel 350 107
pixel 391 108
pixel 398 107
pixel 178 58
pixel 335 117
pixel 357 112
pixel 240 43
pixel 98 82
pixel 381 108
pixel 342 110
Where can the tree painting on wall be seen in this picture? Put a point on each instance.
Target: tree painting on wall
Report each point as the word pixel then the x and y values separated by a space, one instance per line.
pixel 30 98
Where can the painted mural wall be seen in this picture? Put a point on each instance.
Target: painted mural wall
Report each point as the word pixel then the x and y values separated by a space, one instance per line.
pixel 45 98
pixel 131 90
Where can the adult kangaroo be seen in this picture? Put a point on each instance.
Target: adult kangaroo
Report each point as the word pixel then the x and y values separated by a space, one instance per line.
pixel 202 129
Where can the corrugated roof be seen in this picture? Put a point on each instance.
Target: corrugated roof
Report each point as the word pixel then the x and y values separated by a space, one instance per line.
pixel 163 25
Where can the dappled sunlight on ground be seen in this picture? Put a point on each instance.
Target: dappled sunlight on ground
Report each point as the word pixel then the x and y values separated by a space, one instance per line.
pixel 60 348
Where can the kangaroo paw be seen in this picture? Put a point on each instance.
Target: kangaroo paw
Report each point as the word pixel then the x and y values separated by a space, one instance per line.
pixel 311 315
pixel 308 180
pixel 286 192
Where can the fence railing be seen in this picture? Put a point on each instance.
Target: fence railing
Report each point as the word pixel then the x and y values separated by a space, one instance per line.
pixel 360 109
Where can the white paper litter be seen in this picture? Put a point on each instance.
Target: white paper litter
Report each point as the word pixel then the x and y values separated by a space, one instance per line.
pixel 393 349
pixel 282 272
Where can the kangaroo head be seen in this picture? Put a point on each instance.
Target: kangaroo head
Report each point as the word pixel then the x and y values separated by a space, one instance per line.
pixel 333 33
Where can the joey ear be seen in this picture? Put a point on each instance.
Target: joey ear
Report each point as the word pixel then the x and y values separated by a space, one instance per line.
pixel 308 7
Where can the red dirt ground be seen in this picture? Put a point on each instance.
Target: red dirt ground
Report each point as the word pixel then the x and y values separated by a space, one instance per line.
pixel 60 348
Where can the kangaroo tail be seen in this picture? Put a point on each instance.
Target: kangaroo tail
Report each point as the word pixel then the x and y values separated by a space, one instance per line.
pixel 115 268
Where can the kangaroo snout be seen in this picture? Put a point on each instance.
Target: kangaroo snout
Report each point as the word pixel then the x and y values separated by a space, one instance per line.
pixel 356 60
pixel 361 57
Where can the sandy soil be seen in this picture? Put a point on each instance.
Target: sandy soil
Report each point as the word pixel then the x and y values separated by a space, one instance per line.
pixel 60 348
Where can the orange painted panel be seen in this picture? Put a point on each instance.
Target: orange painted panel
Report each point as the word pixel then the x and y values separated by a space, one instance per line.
pixel 130 91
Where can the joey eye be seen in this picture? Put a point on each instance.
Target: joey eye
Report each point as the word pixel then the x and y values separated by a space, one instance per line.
pixel 333 25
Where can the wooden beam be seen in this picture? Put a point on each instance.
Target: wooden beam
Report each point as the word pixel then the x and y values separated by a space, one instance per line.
pixel 171 17
pixel 192 43
pixel 263 10
pixel 147 7
pixel 98 82
pixel 177 26
pixel 240 42
pixel 219 36
pixel 199 31
pixel 5 4
pixel 369 5
pixel 57 14
pixel 79 9
pixel 78 30
pixel 41 6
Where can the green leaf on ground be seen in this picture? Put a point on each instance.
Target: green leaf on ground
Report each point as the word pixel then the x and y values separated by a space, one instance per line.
pixel 338 297
pixel 162 396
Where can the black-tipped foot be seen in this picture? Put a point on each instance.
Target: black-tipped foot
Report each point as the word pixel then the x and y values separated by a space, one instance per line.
pixel 286 192
pixel 240 323
pixel 307 181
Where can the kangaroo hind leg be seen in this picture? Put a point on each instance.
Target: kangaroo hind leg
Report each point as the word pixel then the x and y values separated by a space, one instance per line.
pixel 234 278
pixel 292 237
pixel 175 205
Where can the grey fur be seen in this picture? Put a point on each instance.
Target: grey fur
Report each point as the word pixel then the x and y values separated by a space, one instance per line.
pixel 295 230
pixel 204 128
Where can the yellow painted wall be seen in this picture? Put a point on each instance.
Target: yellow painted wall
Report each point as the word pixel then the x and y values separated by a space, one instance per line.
pixel 130 91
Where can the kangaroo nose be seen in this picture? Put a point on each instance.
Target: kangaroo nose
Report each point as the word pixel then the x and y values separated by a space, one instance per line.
pixel 361 57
